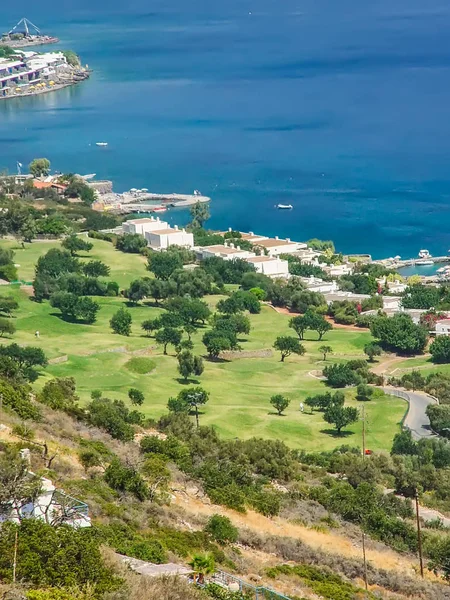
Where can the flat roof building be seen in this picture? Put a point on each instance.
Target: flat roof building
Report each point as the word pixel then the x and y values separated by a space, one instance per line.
pixel 248 237
pixel 161 239
pixel 276 246
pixel 225 251
pixel 270 266
pixel 143 226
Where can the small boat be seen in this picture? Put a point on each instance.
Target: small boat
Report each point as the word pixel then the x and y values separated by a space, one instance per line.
pixel 424 254
pixel 284 206
pixel 159 209
pixel 197 193
pixel 101 143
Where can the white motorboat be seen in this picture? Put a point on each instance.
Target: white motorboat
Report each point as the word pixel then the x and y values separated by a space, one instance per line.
pixel 285 206
pixel 424 254
pixel 101 143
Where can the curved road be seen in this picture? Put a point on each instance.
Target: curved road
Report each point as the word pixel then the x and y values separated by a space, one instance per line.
pixel 416 420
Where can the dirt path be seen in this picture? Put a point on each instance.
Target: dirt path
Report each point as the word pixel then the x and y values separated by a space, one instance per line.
pixel 330 542
pixel 385 365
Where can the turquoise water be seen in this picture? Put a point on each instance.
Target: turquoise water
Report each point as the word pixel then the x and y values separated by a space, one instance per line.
pixel 424 270
pixel 339 108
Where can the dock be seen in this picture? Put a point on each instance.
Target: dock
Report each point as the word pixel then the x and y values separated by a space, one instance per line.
pixel 411 262
pixel 141 201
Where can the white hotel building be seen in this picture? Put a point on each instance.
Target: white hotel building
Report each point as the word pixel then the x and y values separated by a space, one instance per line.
pixel 30 69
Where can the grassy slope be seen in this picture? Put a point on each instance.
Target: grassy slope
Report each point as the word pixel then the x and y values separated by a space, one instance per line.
pixel 240 389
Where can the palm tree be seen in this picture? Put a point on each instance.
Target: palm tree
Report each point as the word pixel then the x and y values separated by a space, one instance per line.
pixel 202 564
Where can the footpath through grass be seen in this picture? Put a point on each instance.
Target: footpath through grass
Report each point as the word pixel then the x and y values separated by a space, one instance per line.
pixel 239 389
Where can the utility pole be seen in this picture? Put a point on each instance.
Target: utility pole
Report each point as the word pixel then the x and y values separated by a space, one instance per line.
pixel 364 456
pixel 419 533
pixel 15 556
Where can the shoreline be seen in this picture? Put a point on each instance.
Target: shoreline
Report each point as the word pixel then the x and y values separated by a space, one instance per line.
pixel 28 44
pixel 46 90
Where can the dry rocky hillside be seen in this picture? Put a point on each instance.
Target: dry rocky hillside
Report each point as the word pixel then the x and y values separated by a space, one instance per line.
pixel 304 552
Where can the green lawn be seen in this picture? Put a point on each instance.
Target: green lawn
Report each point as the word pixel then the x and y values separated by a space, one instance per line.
pixel 423 364
pixel 239 389
pixel 124 267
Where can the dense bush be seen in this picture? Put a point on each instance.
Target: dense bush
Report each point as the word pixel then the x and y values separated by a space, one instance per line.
pixel 399 334
pixel 131 242
pixel 126 479
pixel 114 417
pixel 440 350
pixel 55 556
pixel 16 397
pixel 221 529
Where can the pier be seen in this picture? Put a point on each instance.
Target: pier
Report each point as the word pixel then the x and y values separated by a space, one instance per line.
pixel 167 199
pixel 135 201
pixel 411 262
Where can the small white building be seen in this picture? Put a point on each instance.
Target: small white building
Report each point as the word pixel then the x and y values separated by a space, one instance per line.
pixel 251 237
pixel 143 226
pixel 225 251
pixel 271 266
pixel 315 284
pixel 308 256
pixel 338 270
pixel 391 304
pixel 443 327
pixel 341 296
pixel 414 313
pixel 161 239
pixel 53 506
pixel 395 287
pixel 276 246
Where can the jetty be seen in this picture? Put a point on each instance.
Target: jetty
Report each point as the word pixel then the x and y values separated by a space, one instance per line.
pixel 411 262
pixel 26 34
pixel 143 201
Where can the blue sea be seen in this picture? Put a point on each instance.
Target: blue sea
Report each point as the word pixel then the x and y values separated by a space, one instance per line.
pixel 339 108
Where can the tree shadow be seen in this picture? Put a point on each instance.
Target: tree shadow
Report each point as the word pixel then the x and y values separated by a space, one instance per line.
pixel 188 381
pixel 335 434
pixel 69 319
pixel 276 414
pixel 213 359
pixel 152 304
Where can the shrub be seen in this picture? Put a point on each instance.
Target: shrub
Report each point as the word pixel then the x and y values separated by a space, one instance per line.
pixel 221 529
pixel 121 321
pixel 54 556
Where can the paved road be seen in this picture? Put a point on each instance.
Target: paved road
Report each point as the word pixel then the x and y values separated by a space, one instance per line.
pixel 416 419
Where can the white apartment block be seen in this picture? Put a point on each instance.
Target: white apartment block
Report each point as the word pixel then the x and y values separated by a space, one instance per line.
pixel 276 246
pixel 270 266
pixel 161 239
pixel 227 252
pixel 142 226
